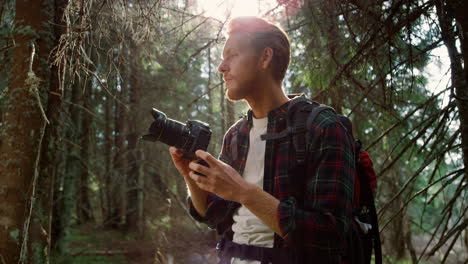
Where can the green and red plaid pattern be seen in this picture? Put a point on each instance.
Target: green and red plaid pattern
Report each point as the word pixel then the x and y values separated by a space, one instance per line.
pixel 317 216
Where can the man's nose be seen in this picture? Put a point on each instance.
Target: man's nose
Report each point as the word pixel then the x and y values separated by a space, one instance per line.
pixel 222 67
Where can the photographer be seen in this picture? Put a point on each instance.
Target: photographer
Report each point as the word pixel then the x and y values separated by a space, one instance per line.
pixel 266 211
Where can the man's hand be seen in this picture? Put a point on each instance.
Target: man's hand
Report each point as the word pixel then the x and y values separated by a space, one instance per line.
pixel 180 163
pixel 198 195
pixel 220 178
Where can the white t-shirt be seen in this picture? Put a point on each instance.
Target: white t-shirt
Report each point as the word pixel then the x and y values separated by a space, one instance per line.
pixel 249 229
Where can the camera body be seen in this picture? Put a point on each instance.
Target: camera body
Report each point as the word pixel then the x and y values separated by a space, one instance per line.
pixel 187 137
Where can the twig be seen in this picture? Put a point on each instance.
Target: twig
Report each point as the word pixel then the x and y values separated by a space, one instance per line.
pixel 461 228
pixel 411 143
pixel 456 230
pixel 190 32
pixel 33 81
pixel 457 174
pixel 205 93
pixel 425 164
pixel 388 130
pixel 24 246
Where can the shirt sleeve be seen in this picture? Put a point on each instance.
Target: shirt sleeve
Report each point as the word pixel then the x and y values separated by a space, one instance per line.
pixel 217 208
pixel 323 215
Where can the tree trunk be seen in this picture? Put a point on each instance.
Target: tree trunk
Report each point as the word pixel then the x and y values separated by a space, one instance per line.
pixel 24 196
pixel 409 239
pixel 457 10
pixel 41 229
pixel 71 173
pixel 107 215
pixel 84 211
pixel 394 235
pixel 447 12
pixel 116 189
pixel 133 216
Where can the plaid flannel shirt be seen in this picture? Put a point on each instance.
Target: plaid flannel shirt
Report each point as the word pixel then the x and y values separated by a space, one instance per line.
pixel 316 220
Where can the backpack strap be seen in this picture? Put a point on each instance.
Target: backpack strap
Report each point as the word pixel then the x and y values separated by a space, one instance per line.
pixel 293 107
pixel 302 124
pixel 370 203
pixel 301 113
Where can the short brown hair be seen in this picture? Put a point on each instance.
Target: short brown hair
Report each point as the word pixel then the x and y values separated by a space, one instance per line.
pixel 263 34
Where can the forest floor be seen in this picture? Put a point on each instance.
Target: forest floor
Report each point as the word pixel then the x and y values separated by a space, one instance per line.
pixel 93 245
pixel 90 245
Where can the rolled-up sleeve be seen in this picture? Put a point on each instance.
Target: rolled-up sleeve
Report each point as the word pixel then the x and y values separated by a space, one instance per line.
pixel 323 216
pixel 215 211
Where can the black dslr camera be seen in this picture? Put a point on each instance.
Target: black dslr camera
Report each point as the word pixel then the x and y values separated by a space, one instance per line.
pixel 188 138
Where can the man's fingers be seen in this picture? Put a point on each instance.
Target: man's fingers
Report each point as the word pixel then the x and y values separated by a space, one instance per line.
pixel 212 161
pixel 174 151
pixel 197 178
pixel 199 168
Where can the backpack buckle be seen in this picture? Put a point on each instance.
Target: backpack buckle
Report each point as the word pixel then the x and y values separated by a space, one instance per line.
pixel 220 246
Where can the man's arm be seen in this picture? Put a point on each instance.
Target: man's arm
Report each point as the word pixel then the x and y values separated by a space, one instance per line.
pixel 222 180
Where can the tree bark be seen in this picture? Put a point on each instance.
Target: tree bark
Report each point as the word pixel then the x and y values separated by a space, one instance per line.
pixel 24 195
pixel 447 12
pixel 41 228
pixel 133 212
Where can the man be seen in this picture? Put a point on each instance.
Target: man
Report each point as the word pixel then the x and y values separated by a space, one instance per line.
pixel 250 194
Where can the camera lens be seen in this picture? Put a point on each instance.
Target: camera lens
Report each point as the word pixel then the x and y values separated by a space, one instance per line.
pixel 168 131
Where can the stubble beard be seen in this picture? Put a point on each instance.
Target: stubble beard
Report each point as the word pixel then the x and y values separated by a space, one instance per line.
pixel 235 95
pixel 240 92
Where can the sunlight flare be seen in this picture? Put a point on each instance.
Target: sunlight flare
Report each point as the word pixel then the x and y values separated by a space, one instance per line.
pixel 219 9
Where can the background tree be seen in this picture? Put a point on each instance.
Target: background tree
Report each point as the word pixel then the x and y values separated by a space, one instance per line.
pixel 26 196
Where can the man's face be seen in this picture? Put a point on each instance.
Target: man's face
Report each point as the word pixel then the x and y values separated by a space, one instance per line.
pixel 240 67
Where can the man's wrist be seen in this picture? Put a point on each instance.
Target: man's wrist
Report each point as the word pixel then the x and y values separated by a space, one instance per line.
pixel 248 193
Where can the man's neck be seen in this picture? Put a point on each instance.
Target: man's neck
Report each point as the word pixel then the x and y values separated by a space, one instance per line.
pixel 268 97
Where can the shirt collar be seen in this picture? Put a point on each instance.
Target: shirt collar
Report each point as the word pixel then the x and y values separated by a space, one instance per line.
pixel 275 113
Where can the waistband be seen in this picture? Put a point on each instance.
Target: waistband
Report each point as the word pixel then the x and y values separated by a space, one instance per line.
pixel 228 249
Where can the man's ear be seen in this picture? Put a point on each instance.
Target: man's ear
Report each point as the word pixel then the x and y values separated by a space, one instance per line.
pixel 267 57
